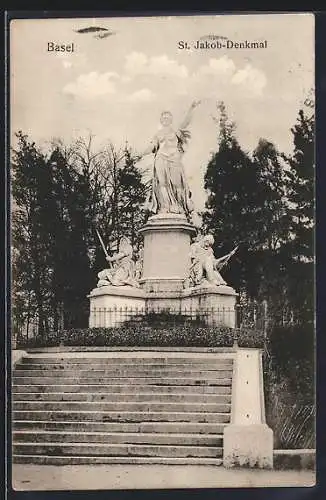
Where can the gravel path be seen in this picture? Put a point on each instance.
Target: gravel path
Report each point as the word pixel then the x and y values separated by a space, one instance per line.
pixel 104 477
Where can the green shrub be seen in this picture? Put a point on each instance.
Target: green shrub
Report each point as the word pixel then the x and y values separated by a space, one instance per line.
pixel 290 385
pixel 149 336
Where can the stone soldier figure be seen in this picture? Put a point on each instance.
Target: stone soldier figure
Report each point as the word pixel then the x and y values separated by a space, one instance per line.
pixel 204 266
pixel 123 270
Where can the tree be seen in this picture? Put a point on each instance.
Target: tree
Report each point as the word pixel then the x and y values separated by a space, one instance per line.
pixel 60 199
pixel 233 205
pixel 69 271
pixel 274 230
pixel 300 185
pixel 274 219
pixel 30 185
pixel 132 195
pixel 123 196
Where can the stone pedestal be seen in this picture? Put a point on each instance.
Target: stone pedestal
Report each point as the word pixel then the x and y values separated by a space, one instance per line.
pixel 111 306
pixel 166 252
pixel 166 263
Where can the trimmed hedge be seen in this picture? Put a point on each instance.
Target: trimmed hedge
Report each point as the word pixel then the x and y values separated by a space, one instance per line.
pixel 145 336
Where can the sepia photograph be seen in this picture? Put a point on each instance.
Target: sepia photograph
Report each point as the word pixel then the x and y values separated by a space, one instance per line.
pixel 162 225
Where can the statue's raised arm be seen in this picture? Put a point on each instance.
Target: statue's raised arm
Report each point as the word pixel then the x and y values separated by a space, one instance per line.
pixel 187 119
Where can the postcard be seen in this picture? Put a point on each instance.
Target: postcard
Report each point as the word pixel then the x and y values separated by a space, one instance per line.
pixel 162 259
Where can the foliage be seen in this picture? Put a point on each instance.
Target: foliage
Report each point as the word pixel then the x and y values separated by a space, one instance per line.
pixel 59 198
pixel 31 258
pixel 264 203
pixel 154 336
pixel 232 206
pixel 301 177
pixel 289 366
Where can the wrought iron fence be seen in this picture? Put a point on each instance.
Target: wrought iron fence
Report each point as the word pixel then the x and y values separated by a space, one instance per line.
pixel 116 316
pixel 240 316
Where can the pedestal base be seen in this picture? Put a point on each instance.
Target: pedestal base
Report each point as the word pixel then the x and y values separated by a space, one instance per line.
pixel 248 446
pixel 111 306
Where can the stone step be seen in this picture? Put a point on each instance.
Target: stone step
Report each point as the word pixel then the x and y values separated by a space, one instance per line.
pixel 115 450
pixel 121 416
pixel 158 381
pixel 140 364
pixel 122 389
pixel 102 351
pixel 131 427
pixel 106 409
pixel 117 438
pixel 118 358
pixel 118 406
pixel 92 460
pixel 121 373
pixel 123 397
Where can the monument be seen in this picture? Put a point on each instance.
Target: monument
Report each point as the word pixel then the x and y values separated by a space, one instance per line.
pixel 177 270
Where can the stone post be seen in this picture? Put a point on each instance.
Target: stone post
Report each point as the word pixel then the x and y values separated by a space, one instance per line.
pixel 248 441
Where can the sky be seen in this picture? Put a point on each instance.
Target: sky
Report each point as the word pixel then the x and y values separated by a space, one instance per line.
pixel 116 87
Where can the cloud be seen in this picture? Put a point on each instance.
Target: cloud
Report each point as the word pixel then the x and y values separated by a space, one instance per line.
pixel 144 78
pixel 143 95
pixel 138 63
pixel 162 65
pixel 222 79
pixel 217 67
pixel 92 85
pixel 251 79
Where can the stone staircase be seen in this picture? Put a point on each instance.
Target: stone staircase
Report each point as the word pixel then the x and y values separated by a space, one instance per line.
pixel 153 408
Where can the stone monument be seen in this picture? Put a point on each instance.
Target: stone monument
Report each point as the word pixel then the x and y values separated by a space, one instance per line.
pixel 173 273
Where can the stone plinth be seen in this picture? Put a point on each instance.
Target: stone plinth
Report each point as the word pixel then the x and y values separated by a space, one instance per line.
pixel 111 306
pixel 166 252
pixel 217 303
pixel 214 304
pixel 248 446
pixel 248 441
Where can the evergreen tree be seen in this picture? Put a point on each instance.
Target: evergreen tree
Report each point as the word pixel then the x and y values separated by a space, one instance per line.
pixel 273 260
pixel 274 218
pixel 233 205
pixel 301 209
pixel 301 186
pixel 132 195
pixel 30 185
pixel 67 230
